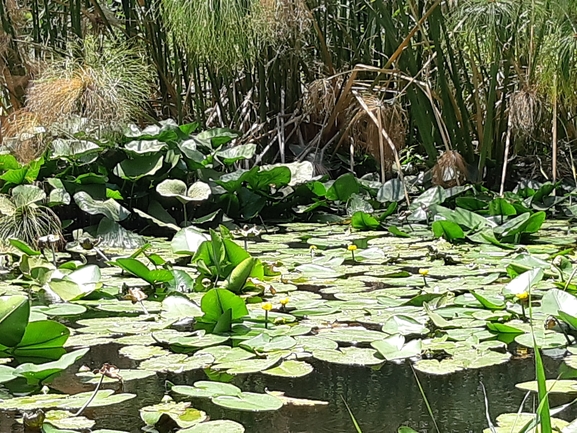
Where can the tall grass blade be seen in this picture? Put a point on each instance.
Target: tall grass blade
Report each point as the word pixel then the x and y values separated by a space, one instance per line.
pixel 426 400
pixel 353 419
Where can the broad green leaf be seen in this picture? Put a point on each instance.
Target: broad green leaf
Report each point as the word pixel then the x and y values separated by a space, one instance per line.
pixel 343 188
pixel 448 230
pixel 14 314
pixel 109 208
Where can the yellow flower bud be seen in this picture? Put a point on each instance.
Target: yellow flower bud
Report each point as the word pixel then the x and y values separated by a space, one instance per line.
pixel 352 247
pixel 424 272
pixel 522 296
pixel 267 306
pixel 284 301
pixel 313 247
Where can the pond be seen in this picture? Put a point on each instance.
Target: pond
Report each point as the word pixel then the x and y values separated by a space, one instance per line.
pixel 361 318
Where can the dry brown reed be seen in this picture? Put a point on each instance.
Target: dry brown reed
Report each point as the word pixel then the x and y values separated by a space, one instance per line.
pixel 450 170
pixel 23 135
pixel 365 134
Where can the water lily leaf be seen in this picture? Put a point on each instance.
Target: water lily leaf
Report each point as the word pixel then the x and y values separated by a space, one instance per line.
pixel 554 386
pixel 364 221
pixel 138 167
pixel 127 375
pixel 343 188
pixel 436 367
pixel 38 373
pixel 310 270
pixel 523 282
pixel 66 420
pixel 391 191
pixel 139 353
pixel 6 374
pixel 181 413
pixel 370 254
pixel 206 389
pixel 398 232
pixel 103 397
pixel 404 325
pixel 64 309
pixel 24 195
pixel 394 347
pixel 247 366
pixel 158 215
pixel 42 335
pixel 489 303
pixel 109 208
pixel 348 356
pixel 236 280
pixel 291 401
pixel 352 335
pixel 216 426
pixel 14 314
pixel 249 401
pixel 290 369
pixel 556 300
pixel 179 307
pixel 215 302
pixel 177 362
pixel 543 339
pixel 448 230
pixel 266 343
pixel 144 146
pixel 475 358
pixel 236 153
pixel 113 235
pixel 187 241
pixel 310 343
pixel 224 354
pixel 194 341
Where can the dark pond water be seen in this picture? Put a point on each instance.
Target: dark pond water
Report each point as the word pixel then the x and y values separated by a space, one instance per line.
pixel 382 400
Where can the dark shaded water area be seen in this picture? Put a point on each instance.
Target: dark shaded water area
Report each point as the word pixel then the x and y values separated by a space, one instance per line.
pixel 381 399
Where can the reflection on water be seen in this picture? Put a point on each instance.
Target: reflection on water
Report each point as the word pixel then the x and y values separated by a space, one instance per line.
pixel 381 400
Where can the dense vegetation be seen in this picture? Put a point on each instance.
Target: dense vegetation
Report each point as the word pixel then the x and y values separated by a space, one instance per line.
pixel 425 144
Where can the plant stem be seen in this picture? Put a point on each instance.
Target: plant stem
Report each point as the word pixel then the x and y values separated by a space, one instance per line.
pixel 85 405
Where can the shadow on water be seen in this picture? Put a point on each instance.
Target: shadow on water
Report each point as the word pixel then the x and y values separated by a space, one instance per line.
pixel 381 400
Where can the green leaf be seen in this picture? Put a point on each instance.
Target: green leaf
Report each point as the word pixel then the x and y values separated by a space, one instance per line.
pixel 25 195
pixel 38 373
pixel 448 230
pixel 343 188
pixel 237 153
pixel 217 301
pixel 394 347
pixel 109 208
pixel 249 401
pixel 398 232
pixel 502 207
pixel 25 248
pixel 187 241
pixel 391 191
pixel 14 314
pixel 363 221
pixel 137 168
pixel 42 335
pixel 237 278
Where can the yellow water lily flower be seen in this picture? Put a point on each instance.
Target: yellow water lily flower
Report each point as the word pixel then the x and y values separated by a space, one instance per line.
pixel 423 272
pixel 522 296
pixel 267 306
pixel 352 247
pixel 284 301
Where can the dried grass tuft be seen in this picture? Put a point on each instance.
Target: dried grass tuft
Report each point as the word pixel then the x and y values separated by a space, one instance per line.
pixel 365 133
pixel 55 99
pixel 450 170
pixel 320 98
pixel 23 135
pixel 524 112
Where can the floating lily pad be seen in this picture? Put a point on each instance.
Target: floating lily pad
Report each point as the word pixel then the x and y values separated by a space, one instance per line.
pixel 103 397
pixel 436 367
pixel 66 420
pixel 206 389
pixel 348 356
pixel 216 426
pixel 554 386
pixel 182 414
pixel 139 353
pixel 177 363
pixel 249 402
pixel 290 369
pixel 394 347
pixel 352 335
